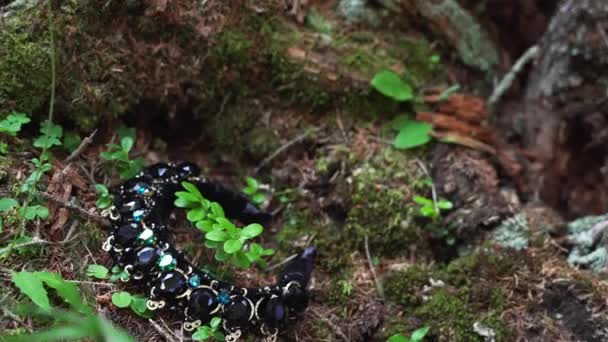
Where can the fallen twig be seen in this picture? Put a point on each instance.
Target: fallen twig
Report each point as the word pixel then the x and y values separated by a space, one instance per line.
pixel 161 331
pixel 284 147
pixel 373 270
pixel 83 144
pixel 80 210
pixel 331 324
pixel 507 81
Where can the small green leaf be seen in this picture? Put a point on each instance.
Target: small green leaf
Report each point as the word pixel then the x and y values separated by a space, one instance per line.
pixel 32 286
pixel 422 200
pixel 428 211
pixel 184 203
pixel 220 255
pixel 215 322
pixel 7 204
pixel 216 235
pixel 252 230
pixel 205 225
pixel 231 246
pixel 121 299
pixel 419 334
pixel 69 292
pixel 42 212
pixel 193 190
pixel 241 260
pixel 445 205
pixel 258 198
pixel 138 305
pixel 398 338
pixel 252 185
pixel 413 134
pixel 202 334
pixel 126 143
pixel 102 189
pixel 391 85
pixel 97 271
pixel 216 210
pixel 195 214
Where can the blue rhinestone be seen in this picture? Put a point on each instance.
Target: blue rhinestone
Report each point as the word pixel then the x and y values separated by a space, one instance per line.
pixel 138 215
pixel 141 190
pixel 194 281
pixel 224 297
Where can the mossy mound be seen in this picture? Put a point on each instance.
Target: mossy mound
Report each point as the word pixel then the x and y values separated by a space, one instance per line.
pixel 405 287
pixel 467 292
pixel 25 75
pixel 380 208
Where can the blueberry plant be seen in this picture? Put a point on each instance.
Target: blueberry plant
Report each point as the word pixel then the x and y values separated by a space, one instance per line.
pixel 231 243
pixel 410 133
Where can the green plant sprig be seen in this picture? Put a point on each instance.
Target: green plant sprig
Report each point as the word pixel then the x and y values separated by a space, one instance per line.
pixel 231 244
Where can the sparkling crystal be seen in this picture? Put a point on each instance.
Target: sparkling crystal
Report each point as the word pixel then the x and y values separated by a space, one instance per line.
pixel 131 206
pixel 296 298
pixel 141 188
pixel 202 303
pixel 147 236
pixel 170 285
pixel 138 215
pixel 145 258
pixel 188 169
pixel 238 312
pixel 275 312
pixel 160 170
pixel 224 297
pixel 166 262
pixel 194 280
pixel 126 234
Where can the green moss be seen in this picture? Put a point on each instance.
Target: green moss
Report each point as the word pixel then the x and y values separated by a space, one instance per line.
pixel 379 207
pixel 24 72
pixel 404 287
pixel 452 319
pixel 474 46
pixel 299 225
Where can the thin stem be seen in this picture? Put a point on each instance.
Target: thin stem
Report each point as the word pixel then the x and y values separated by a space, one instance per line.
pixel 53 62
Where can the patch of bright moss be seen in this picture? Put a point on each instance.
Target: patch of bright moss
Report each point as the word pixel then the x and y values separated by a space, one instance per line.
pixel 403 287
pixel 379 208
pixel 451 319
pixel 299 224
pixel 24 72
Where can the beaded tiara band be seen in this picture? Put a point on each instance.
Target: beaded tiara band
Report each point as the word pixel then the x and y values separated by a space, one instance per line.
pixel 141 245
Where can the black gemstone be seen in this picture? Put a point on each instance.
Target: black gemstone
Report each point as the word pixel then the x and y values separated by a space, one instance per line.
pixel 145 258
pixel 160 170
pixel 238 312
pixel 126 234
pixel 188 169
pixel 275 312
pixel 202 303
pixel 296 298
pixel 130 206
pixel 170 285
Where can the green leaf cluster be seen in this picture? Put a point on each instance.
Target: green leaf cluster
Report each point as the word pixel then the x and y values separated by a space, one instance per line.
pixel 32 284
pixel 410 133
pixel 105 198
pixel 12 124
pixel 50 135
pixel 230 243
pixel 137 303
pixel 206 332
pixel 417 336
pixel 253 191
pixel 118 154
pixel 431 209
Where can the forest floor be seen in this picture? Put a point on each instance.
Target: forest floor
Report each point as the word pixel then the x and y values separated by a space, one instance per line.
pixel 492 267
